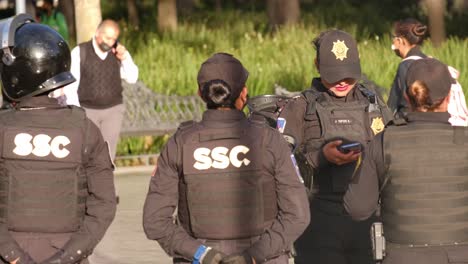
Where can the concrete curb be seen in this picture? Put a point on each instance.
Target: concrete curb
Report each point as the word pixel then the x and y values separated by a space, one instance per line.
pixel 135 169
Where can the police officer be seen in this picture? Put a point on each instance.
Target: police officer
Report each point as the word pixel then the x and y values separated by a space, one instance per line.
pixel 335 110
pixel 419 170
pixel 56 183
pixel 237 193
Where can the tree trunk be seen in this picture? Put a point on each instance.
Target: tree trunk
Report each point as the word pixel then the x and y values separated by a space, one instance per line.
pixel 283 12
pixel 133 17
pixel 167 15
pixel 435 12
pixel 68 10
pixel 88 16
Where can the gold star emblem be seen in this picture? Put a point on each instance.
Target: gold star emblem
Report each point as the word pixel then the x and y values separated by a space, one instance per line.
pixel 377 125
pixel 340 50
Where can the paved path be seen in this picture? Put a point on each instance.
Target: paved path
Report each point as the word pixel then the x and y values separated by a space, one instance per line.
pixel 125 241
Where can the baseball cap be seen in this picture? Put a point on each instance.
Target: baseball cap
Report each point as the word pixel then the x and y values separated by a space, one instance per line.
pixel 434 74
pixel 223 66
pixel 338 56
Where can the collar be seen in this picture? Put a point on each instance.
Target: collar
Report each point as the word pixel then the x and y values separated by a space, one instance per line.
pixel 39 101
pixel 430 117
pixel 416 51
pixel 351 96
pixel 222 116
pixel 102 55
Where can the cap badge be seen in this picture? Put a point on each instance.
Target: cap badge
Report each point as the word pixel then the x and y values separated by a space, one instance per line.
pixel 340 50
pixel 377 125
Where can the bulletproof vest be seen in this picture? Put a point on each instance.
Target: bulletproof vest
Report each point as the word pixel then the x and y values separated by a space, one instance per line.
pixel 357 120
pixel 100 83
pixel 425 195
pixel 43 185
pixel 225 192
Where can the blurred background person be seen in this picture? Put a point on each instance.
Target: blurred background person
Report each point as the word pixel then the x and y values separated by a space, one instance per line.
pixel 49 15
pixel 407 37
pixel 100 65
pixel 419 171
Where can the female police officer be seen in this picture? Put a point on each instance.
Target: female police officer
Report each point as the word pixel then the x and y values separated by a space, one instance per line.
pixel 420 172
pixel 337 109
pixel 56 184
pixel 237 193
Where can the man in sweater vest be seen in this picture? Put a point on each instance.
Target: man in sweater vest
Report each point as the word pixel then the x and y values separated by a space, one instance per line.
pixel 99 65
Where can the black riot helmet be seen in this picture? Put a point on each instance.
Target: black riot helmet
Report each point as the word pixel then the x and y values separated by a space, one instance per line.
pixel 268 106
pixel 34 58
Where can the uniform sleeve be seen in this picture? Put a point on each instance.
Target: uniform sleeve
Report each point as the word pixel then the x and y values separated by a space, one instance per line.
pixel 293 205
pixel 100 204
pixel 9 248
pixel 160 205
pixel 361 198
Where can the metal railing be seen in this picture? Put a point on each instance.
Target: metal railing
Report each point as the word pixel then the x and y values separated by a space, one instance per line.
pixel 149 113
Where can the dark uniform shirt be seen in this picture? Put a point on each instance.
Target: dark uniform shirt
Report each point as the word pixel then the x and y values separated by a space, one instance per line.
pixel 361 199
pixel 100 203
pixel 396 101
pixel 162 200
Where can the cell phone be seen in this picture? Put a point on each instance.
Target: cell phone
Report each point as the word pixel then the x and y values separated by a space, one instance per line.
pixel 115 44
pixel 348 147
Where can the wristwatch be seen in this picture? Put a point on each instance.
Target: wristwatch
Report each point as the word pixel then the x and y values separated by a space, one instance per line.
pixel 199 254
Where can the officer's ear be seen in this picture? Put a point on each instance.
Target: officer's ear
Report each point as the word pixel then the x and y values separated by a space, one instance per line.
pixel 317 65
pixel 241 101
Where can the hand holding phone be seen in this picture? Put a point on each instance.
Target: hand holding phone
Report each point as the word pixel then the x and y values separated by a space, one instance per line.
pixel 348 147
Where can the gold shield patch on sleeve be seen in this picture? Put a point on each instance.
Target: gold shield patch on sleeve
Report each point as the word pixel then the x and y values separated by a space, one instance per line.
pixel 377 125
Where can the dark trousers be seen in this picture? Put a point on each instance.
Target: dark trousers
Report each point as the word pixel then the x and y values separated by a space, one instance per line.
pixel 333 237
pixel 426 255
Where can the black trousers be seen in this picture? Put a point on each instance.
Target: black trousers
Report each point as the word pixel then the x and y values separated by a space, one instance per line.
pixel 333 237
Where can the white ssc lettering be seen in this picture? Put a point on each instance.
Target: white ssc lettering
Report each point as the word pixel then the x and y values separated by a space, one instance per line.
pixel 40 146
pixel 219 158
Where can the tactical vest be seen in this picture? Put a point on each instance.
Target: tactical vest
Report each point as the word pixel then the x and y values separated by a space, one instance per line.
pixel 225 192
pixel 357 120
pixel 43 186
pixel 100 83
pixel 425 196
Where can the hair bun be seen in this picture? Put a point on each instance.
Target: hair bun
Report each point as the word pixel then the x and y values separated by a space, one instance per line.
pixel 419 30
